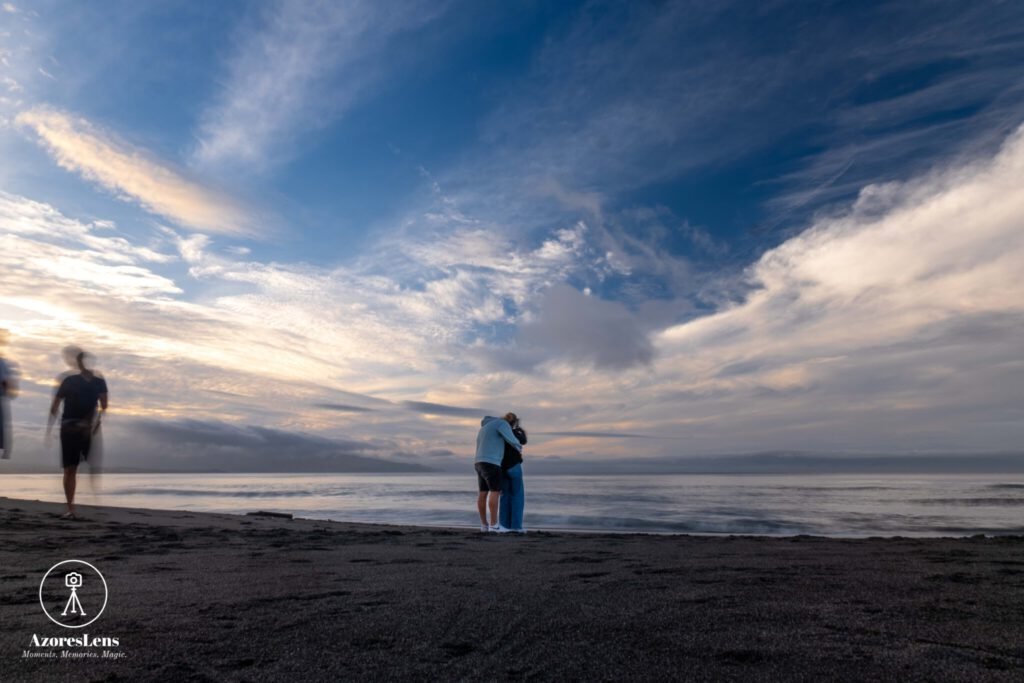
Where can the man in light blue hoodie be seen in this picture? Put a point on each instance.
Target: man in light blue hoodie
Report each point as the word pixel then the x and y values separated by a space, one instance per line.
pixel 494 433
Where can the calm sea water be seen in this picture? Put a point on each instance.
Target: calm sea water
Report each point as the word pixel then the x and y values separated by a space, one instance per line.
pixel 844 505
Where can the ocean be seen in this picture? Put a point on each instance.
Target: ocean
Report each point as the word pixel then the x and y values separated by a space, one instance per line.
pixel 833 505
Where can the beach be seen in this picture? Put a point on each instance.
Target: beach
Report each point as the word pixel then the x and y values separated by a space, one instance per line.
pixel 198 596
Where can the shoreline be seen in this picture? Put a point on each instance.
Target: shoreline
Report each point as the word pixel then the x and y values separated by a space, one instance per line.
pixel 211 597
pixel 548 530
pixel 837 507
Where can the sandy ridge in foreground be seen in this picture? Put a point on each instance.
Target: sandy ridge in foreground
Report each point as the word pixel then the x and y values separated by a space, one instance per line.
pixel 230 598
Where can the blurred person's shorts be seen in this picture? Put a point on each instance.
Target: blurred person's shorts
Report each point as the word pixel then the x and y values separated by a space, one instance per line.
pixel 75 442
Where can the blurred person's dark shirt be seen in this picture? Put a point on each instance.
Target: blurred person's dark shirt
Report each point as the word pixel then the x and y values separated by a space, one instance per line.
pixel 80 396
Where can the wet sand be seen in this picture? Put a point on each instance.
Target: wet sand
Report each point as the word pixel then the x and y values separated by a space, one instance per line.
pixel 232 598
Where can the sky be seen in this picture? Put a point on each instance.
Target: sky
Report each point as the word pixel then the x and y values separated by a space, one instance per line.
pixel 294 230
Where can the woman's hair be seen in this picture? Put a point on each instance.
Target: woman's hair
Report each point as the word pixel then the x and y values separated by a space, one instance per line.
pixel 513 421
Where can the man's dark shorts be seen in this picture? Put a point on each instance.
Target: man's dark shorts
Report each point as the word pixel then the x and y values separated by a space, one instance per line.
pixel 488 476
pixel 75 442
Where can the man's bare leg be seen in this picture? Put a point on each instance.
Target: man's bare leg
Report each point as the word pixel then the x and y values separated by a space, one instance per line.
pixel 481 506
pixel 70 474
pixel 492 503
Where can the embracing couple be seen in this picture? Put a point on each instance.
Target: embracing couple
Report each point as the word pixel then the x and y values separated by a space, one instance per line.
pixel 499 473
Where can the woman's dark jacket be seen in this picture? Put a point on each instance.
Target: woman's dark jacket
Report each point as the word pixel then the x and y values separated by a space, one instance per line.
pixel 513 457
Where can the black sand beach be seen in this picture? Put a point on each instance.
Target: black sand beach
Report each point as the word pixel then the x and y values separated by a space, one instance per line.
pixel 231 598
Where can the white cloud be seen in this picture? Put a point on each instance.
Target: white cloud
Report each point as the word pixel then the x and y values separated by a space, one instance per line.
pixel 583 328
pixel 362 325
pixel 895 322
pixel 261 342
pixel 905 256
pixel 41 246
pixel 303 64
pixel 134 175
pixel 893 326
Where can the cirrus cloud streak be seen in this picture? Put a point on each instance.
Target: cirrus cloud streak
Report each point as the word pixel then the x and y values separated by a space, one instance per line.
pixel 134 175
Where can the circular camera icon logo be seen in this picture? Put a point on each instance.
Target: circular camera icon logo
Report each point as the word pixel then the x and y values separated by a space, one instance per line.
pixel 73 594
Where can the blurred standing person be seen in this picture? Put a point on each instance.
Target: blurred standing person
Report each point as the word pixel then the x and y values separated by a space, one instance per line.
pixel 494 433
pixel 513 495
pixel 80 392
pixel 70 355
pixel 8 390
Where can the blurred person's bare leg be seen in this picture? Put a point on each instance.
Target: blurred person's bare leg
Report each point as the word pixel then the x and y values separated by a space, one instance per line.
pixel 70 474
pixel 95 467
pixel 94 484
pixel 5 430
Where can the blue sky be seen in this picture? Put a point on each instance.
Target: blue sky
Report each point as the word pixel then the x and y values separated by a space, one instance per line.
pixel 692 228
